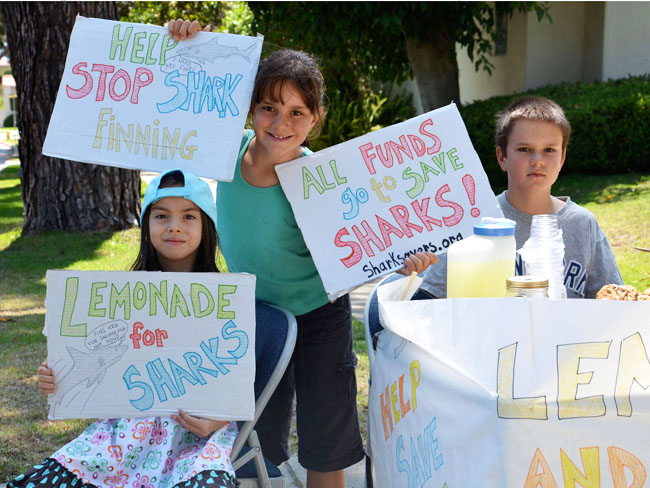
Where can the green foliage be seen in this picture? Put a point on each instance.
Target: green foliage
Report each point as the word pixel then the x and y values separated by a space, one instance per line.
pixel 238 19
pixel 609 122
pixel 9 121
pixel 230 17
pixel 357 41
pixel 159 13
pixel 347 119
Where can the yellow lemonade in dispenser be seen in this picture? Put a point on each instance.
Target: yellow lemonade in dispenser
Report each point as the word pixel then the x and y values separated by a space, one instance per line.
pixel 479 265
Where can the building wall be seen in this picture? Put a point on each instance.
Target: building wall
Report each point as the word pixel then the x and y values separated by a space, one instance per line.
pixel 626 46
pixel 509 73
pixel 554 50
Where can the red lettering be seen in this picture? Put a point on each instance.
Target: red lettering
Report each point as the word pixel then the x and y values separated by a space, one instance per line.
pixel 421 212
pixel 75 93
pixel 103 70
pixel 401 214
pixel 160 335
pixel 139 83
pixel 135 335
pixel 148 337
pixel 436 141
pixel 386 160
pixel 356 254
pixel 368 157
pixel 457 216
pixel 403 147
pixel 120 75
pixel 418 144
pixel 386 229
pixel 367 238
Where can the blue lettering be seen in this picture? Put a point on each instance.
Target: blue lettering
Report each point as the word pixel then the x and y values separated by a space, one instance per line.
pixel 194 91
pixel 145 402
pixel 160 379
pixel 193 360
pixel 181 374
pixel 211 352
pixel 177 100
pixel 418 471
pixel 226 97
pixel 240 335
pixel 403 464
pixel 199 91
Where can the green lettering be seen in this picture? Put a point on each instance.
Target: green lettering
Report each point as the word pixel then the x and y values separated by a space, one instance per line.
pixel 308 180
pixel 139 295
pixel 178 302
pixel 167 44
pixel 158 295
pixel 123 43
pixel 67 329
pixel 196 290
pixel 339 180
pixel 426 169
pixel 137 47
pixel 153 37
pixel 96 299
pixel 418 185
pixel 323 179
pixel 439 159
pixel 451 154
pixel 224 302
pixel 122 299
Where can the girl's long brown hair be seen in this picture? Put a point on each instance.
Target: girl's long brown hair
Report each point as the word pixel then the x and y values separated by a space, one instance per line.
pixel 205 261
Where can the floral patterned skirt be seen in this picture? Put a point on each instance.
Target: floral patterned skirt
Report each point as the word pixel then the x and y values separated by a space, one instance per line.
pixel 138 453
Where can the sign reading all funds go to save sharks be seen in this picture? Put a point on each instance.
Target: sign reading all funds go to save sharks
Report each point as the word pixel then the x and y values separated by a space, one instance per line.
pixel 133 344
pixel 365 205
pixel 133 97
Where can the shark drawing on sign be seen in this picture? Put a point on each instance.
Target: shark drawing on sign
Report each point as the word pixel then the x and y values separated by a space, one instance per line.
pixel 212 50
pixel 88 369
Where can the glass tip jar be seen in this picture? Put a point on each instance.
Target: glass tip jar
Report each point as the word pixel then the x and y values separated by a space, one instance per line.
pixel 527 286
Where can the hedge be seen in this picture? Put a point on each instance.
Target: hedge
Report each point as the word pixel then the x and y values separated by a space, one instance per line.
pixel 610 126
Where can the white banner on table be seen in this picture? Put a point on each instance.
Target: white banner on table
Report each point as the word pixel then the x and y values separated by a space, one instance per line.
pixel 133 97
pixel 366 204
pixel 500 392
pixel 128 344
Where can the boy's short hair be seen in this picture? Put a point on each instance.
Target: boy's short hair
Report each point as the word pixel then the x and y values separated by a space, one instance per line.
pixel 530 108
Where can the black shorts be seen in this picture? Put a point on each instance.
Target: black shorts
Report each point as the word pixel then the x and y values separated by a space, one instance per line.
pixel 322 374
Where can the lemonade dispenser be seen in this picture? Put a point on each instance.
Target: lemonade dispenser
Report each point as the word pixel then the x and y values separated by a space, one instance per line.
pixel 479 265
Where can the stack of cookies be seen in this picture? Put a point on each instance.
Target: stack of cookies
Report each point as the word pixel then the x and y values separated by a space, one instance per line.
pixel 622 292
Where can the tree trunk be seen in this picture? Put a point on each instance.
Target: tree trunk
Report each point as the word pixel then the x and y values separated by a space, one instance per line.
pixel 433 62
pixel 57 193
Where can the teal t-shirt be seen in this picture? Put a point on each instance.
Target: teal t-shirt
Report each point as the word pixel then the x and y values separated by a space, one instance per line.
pixel 258 234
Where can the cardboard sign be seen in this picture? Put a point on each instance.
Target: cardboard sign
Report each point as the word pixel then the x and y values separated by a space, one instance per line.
pixel 133 344
pixel 366 204
pixel 133 97
pixel 511 392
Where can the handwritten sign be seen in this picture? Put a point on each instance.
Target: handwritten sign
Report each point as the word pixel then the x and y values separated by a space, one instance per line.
pixel 132 344
pixel 366 204
pixel 511 393
pixel 133 97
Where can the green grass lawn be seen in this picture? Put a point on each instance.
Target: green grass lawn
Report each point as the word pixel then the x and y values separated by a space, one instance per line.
pixel 621 203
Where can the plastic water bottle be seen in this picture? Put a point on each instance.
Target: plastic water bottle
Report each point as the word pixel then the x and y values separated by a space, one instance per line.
pixel 543 253
pixel 479 265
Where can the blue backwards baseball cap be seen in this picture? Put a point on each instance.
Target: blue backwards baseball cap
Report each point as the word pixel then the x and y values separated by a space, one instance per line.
pixel 195 189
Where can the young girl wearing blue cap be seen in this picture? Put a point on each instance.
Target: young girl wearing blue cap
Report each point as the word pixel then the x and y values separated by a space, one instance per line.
pixel 260 235
pixel 178 234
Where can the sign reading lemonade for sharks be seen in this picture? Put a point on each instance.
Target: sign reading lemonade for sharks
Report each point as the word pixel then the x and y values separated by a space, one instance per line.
pixel 133 97
pixel 132 344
